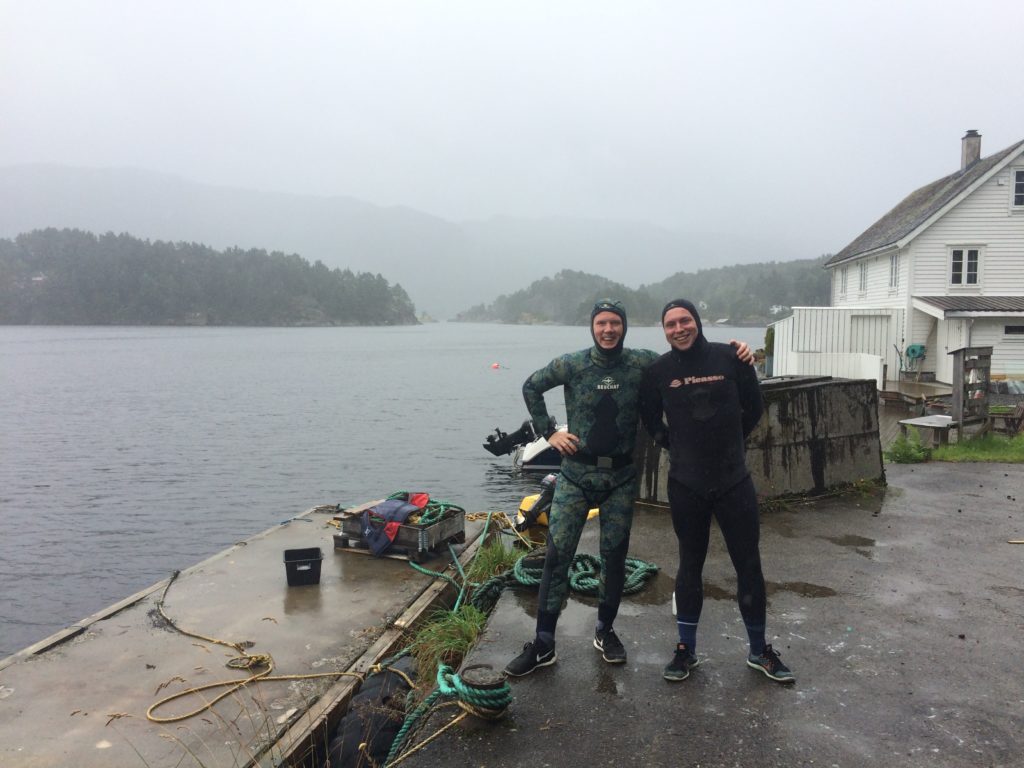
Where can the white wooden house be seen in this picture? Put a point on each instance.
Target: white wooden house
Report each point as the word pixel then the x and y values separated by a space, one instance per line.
pixel 942 270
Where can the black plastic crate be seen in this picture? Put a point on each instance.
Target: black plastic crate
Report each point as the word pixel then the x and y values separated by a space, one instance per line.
pixel 303 566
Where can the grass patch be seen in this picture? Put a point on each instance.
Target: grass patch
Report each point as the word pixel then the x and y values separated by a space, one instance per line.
pixel 987 447
pixel 908 450
pixel 447 636
pixel 445 639
pixel 492 558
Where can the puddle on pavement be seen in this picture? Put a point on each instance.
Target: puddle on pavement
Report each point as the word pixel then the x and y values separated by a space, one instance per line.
pixel 302 600
pixel 657 590
pixel 850 541
pixel 801 588
pixel 859 544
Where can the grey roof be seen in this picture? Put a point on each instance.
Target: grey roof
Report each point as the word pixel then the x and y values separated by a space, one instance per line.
pixel 918 206
pixel 975 303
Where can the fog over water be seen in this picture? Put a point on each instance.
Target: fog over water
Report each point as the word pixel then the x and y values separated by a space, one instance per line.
pixel 793 124
pixel 127 453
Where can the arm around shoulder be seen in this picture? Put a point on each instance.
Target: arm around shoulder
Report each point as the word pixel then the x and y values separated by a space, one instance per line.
pixel 751 401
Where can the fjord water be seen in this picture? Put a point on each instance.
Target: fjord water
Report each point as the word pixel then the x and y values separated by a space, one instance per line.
pixel 127 453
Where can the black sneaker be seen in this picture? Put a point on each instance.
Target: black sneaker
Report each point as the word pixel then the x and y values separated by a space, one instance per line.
pixel 772 666
pixel 611 648
pixel 534 655
pixel 681 664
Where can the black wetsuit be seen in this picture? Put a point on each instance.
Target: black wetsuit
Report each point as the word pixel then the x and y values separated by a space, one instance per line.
pixel 711 402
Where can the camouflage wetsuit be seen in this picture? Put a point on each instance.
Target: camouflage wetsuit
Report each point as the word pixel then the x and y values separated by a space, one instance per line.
pixel 601 399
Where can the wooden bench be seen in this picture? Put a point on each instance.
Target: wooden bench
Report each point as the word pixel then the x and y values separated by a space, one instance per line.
pixel 1012 420
pixel 939 426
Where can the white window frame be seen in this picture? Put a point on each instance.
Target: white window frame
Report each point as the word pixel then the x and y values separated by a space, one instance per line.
pixel 1017 190
pixel 862 278
pixel 962 253
pixel 894 272
pixel 843 280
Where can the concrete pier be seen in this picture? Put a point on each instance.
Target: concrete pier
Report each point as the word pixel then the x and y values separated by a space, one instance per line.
pixel 900 616
pixel 80 698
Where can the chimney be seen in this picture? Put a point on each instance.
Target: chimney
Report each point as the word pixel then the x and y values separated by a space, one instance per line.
pixel 970 149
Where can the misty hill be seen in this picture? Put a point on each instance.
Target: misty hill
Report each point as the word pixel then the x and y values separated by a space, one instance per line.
pixel 744 294
pixel 55 277
pixel 444 266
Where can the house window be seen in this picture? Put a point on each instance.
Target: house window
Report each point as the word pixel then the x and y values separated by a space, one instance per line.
pixel 863 275
pixel 894 271
pixel 842 281
pixel 1013 330
pixel 1018 188
pixel 964 266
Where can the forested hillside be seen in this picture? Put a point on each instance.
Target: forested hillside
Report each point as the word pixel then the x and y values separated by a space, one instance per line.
pixel 73 277
pixel 745 294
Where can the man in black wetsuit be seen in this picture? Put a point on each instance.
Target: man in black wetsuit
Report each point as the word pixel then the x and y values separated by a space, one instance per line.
pixel 711 403
pixel 601 386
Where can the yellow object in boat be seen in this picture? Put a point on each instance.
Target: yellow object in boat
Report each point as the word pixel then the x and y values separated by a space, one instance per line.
pixel 526 517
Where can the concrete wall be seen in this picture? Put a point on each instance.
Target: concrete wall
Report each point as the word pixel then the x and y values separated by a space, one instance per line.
pixel 816 434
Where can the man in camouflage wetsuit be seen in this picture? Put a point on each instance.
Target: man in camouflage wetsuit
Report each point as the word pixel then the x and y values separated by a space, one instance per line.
pixel 601 386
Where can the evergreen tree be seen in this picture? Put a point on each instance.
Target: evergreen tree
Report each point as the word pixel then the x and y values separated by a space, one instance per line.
pixel 72 277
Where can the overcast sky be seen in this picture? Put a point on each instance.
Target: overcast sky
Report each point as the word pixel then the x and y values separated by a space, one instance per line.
pixel 788 121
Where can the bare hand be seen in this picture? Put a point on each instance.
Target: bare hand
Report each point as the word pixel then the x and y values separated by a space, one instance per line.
pixel 743 351
pixel 565 443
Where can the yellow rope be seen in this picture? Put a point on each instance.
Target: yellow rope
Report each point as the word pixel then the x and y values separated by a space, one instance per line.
pixel 262 677
pixel 243 661
pixel 461 716
pixel 503 521
pixel 365 751
pixel 374 669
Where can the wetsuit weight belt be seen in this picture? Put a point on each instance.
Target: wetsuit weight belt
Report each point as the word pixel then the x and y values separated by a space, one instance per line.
pixel 602 462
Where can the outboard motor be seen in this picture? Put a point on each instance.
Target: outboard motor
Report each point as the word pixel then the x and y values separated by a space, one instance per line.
pixel 502 443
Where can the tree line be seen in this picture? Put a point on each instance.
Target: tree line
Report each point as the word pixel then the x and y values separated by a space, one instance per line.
pixel 752 294
pixel 68 276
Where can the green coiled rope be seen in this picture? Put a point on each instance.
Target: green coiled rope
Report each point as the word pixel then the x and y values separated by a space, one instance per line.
pixel 584 578
pixel 434 511
pixel 489 702
pixel 585 574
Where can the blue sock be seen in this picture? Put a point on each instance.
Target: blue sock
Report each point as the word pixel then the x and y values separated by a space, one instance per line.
pixel 547 639
pixel 756 636
pixel 688 632
pixel 600 626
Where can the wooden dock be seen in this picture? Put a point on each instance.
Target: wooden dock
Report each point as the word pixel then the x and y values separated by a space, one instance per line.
pixel 912 392
pixel 81 696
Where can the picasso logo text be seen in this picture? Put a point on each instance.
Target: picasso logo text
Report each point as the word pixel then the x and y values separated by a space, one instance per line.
pixel 695 380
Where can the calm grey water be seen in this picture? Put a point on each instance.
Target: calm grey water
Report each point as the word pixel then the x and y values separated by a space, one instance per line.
pixel 126 453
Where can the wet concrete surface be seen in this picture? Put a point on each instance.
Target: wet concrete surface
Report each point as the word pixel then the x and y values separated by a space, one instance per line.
pixel 901 618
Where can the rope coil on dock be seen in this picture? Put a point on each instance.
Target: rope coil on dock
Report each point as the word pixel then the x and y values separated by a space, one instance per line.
pixel 489 701
pixel 244 660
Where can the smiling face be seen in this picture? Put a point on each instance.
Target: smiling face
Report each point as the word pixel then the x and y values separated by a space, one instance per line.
pixel 607 330
pixel 680 328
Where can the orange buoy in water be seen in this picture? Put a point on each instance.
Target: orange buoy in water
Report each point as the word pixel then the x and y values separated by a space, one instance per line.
pixel 495 365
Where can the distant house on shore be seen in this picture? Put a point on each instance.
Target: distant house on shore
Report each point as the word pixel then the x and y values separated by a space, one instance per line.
pixel 942 270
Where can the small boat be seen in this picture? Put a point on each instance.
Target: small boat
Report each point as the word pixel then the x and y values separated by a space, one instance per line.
pixel 530 451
